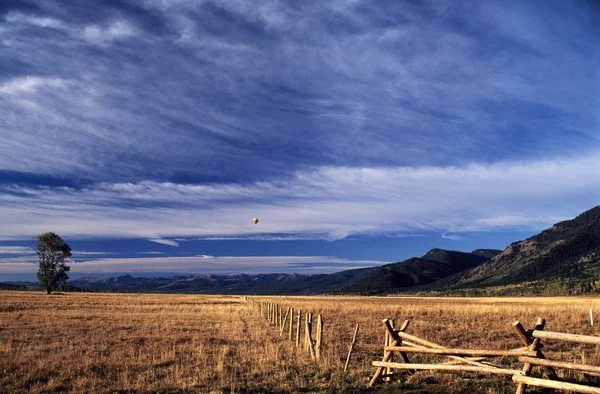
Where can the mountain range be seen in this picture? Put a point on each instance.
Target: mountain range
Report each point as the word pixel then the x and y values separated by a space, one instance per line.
pixel 563 259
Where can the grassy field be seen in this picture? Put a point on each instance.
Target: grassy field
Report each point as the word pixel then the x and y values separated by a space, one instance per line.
pixel 145 343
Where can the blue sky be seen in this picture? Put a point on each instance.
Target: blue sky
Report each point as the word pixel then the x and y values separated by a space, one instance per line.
pixel 149 133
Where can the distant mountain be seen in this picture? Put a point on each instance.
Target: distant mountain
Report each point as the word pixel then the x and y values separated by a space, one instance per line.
pixel 566 255
pixel 435 264
pixel 231 284
pixel 10 286
pixel 563 259
pixel 19 285
pixel 418 271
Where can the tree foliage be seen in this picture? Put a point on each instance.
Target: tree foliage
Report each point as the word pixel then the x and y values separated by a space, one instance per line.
pixel 52 269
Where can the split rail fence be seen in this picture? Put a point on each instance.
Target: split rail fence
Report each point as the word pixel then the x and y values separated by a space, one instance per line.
pixel 289 321
pixel 399 342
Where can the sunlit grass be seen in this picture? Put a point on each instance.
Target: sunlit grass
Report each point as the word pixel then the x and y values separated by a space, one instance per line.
pixel 85 342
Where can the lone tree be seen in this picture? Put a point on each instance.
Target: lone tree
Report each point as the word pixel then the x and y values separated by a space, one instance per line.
pixel 52 252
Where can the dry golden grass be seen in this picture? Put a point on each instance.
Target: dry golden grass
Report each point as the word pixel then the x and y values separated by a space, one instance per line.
pixel 143 343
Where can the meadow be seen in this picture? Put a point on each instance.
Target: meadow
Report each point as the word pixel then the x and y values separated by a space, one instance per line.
pixel 159 343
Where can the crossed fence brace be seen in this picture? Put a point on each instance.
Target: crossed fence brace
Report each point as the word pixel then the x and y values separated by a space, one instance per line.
pixel 477 360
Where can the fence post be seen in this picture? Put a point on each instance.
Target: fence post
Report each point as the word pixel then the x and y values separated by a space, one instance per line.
pixel 387 354
pixel 309 339
pixel 351 347
pixel 281 317
pixel 298 328
pixel 534 345
pixel 307 327
pixel 388 342
pixel 291 323
pixel 284 321
pixel 319 336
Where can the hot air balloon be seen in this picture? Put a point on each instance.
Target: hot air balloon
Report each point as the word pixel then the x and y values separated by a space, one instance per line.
pixel 255 220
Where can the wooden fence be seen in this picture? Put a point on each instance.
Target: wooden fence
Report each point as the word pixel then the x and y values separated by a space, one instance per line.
pixel 476 360
pixel 283 319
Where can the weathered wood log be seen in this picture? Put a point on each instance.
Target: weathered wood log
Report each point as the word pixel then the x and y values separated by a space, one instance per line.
pixel 552 384
pixel 458 362
pixel 522 333
pixel 351 348
pixel 390 337
pixel 420 341
pixel 535 344
pixel 395 335
pixel 465 352
pixel 464 360
pixel 566 337
pixel 386 355
pixel 445 367
pixel 560 364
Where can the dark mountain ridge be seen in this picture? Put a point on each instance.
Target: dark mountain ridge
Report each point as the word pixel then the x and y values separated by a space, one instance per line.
pixel 417 271
pixel 566 254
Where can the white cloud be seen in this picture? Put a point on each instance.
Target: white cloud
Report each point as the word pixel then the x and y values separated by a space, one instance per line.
pixel 19 18
pixel 416 93
pixel 115 30
pixel 260 237
pixel 164 241
pixel 30 84
pixel 206 264
pixel 329 202
pixel 16 250
pixel 453 237
pixel 86 253
pixel 381 94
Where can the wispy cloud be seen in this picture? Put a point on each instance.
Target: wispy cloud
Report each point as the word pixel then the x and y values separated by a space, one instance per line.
pixel 29 84
pixel 260 237
pixel 89 253
pixel 162 241
pixel 206 264
pixel 330 202
pixel 177 120
pixel 453 237
pixel 363 86
pixel 114 30
pixel 44 21
pixel 20 250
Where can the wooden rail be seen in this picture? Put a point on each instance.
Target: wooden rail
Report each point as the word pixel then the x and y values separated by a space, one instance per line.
pixel 477 360
pixel 553 384
pixel 566 337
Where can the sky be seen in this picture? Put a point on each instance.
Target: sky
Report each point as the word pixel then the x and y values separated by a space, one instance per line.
pixel 149 133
